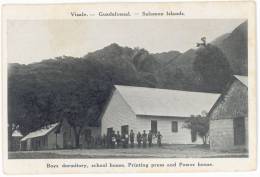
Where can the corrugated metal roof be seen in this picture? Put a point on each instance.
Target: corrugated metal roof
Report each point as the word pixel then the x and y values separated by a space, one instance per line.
pixel 163 102
pixel 242 79
pixel 17 133
pixel 41 132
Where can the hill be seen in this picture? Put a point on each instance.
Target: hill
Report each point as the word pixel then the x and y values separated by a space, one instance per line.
pixel 179 72
pixel 78 88
pixel 234 46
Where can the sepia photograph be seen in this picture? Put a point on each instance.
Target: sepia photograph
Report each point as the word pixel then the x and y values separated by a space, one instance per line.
pixel 129 88
pixel 136 88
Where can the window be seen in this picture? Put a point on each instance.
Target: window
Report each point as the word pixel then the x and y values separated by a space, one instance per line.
pixel 124 130
pixel 154 126
pixel 109 131
pixel 174 126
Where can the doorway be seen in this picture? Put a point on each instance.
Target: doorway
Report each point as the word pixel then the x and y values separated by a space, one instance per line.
pixel 154 126
pixel 124 130
pixel 239 131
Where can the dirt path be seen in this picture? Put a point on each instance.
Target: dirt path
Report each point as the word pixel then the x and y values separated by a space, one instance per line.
pixel 172 151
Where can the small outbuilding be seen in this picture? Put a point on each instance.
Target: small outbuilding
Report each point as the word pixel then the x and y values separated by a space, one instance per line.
pixel 15 140
pixel 140 108
pixel 42 139
pixel 59 135
pixel 228 127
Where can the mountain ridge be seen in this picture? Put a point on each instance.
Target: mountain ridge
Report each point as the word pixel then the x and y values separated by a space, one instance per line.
pixel 46 91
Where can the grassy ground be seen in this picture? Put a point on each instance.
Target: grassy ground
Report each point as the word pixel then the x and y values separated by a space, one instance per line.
pixel 166 151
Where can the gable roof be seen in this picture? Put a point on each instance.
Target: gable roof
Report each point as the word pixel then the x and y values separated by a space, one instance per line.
pixel 164 102
pixel 17 133
pixel 41 132
pixel 242 79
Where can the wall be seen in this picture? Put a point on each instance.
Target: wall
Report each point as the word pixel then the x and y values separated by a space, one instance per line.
pixel 43 142
pixel 15 143
pixel 28 145
pixel 117 113
pixel 95 132
pixel 65 127
pixel 53 142
pixel 221 134
pixel 232 104
pixel 164 125
pixel 51 139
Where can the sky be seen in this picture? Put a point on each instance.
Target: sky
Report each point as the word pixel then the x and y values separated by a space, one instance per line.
pixel 30 41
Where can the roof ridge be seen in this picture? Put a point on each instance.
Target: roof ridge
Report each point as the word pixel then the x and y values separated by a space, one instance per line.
pixel 165 102
pixel 240 75
pixel 242 79
pixel 162 89
pixel 52 126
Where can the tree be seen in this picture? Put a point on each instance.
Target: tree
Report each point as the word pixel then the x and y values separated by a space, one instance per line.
pixel 203 39
pixel 80 106
pixel 213 67
pixel 199 125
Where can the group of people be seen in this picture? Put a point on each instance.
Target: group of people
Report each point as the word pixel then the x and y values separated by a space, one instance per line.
pixel 117 140
pixel 144 138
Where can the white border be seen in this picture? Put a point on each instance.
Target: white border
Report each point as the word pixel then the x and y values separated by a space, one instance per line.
pixel 255 173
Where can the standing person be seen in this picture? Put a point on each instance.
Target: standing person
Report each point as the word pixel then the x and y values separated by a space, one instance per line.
pixel 99 141
pixel 139 139
pixel 95 142
pixel 92 140
pixel 118 139
pixel 125 140
pixel 150 138
pixel 109 140
pixel 144 138
pixel 132 138
pixel 104 141
pixel 88 142
pixel 113 140
pixel 159 139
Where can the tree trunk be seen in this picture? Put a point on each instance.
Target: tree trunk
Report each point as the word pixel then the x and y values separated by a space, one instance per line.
pixel 77 140
pixel 76 134
pixel 204 140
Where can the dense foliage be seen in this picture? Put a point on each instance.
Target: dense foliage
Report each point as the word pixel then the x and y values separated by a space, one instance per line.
pixel 199 126
pixel 213 67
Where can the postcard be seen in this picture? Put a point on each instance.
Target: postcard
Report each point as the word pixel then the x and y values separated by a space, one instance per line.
pixel 129 87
